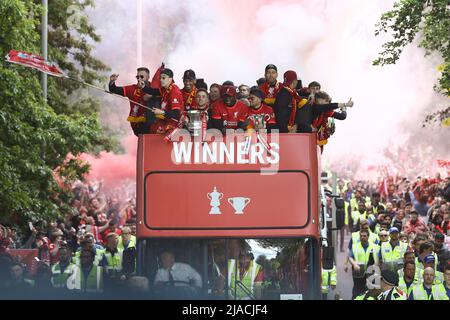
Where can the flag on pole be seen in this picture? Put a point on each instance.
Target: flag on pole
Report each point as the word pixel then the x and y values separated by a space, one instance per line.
pixel 34 61
pixel 156 83
pixel 443 163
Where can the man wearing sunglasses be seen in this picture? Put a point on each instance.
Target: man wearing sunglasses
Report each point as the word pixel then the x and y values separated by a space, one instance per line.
pixel 135 93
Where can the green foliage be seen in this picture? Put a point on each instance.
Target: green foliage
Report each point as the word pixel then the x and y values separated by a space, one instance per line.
pixel 35 137
pixel 427 19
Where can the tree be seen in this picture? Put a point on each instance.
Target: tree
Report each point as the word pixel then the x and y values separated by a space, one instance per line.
pixel 36 137
pixel 429 20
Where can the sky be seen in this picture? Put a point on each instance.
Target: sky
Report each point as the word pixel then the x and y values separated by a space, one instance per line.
pixel 329 41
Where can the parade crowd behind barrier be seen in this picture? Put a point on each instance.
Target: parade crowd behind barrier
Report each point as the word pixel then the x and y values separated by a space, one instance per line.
pixel 28 255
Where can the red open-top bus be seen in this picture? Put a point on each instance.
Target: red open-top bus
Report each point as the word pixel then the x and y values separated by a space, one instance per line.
pixel 209 202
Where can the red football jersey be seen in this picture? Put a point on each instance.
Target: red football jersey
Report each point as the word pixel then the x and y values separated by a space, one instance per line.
pixel 171 99
pixel 137 113
pixel 264 110
pixel 230 115
pixel 270 92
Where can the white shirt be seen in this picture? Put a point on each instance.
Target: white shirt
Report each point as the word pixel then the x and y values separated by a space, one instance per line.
pixel 180 272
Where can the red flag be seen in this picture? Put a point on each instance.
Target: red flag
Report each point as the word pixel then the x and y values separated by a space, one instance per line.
pixel 155 80
pixel 34 61
pixel 443 163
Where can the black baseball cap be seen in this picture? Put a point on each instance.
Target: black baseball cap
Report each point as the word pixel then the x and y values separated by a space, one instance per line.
pixel 189 74
pixel 167 72
pixel 390 277
pixel 271 66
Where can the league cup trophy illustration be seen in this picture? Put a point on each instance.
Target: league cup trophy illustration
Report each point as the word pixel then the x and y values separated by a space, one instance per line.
pixel 215 197
pixel 239 203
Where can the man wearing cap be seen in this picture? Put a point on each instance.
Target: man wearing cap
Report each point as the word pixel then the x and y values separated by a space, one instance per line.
pixel 392 252
pixel 427 290
pixel 425 249
pixel 257 107
pixel 389 283
pixel 171 104
pixel 189 91
pixel 362 255
pixel 229 113
pixel 429 261
pixel 286 102
pixel 407 279
pixel 271 86
pixel 136 93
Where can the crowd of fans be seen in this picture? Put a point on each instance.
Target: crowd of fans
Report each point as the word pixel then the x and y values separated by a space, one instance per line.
pixel 403 227
pixel 101 222
pixel 395 224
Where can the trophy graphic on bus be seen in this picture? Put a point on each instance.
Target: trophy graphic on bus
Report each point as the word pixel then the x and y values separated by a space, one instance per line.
pixel 215 197
pixel 238 204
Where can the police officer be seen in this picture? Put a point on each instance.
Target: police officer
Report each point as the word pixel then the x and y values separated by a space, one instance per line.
pixel 408 279
pixel 392 252
pixel 63 269
pixel 329 280
pixel 361 255
pixel 88 277
pixel 427 290
pixel 389 283
pixel 429 262
pixel 112 261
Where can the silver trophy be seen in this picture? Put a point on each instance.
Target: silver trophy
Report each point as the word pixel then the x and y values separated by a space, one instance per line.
pixel 194 122
pixel 259 120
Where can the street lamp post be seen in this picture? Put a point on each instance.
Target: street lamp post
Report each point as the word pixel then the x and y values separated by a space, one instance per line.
pixel 44 43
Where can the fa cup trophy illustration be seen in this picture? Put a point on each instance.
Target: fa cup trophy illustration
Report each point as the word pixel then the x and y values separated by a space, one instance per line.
pixel 215 197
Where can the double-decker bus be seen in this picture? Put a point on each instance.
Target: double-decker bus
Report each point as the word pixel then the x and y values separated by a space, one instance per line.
pixel 219 207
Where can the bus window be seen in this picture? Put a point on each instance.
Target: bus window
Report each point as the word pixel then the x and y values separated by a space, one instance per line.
pixel 241 269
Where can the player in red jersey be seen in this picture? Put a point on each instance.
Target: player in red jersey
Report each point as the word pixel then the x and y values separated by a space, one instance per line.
pixel 171 104
pixel 257 107
pixel 135 93
pixel 229 113
pixel 189 91
pixel 271 87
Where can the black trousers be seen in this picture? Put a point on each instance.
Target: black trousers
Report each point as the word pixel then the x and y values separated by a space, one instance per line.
pixel 359 286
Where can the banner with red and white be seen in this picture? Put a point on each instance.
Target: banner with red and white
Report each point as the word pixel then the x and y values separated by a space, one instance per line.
pixel 443 163
pixel 34 61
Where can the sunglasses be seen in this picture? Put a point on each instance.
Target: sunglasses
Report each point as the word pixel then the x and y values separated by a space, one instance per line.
pixel 140 77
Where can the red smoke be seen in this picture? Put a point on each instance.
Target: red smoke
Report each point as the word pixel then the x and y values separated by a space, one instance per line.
pixel 112 168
